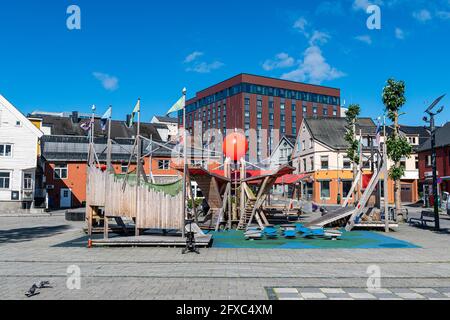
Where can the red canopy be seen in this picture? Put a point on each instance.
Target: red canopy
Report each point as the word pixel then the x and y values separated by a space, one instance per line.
pixel 290 179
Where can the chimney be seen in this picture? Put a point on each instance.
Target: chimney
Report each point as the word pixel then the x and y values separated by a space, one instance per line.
pixel 75 118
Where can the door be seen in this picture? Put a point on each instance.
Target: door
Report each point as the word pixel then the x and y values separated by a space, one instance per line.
pixel 65 198
pixel 407 192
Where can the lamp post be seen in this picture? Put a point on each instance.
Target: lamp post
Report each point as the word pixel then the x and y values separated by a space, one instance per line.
pixel 431 121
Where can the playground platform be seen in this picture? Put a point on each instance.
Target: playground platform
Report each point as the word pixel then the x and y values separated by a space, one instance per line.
pixel 151 241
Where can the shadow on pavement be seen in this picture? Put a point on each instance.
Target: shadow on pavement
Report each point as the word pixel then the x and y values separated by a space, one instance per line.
pixel 30 234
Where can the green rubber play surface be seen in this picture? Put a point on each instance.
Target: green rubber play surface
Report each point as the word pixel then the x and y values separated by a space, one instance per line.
pixel 349 240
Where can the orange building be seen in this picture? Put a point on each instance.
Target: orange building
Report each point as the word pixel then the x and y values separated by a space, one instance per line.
pixel 320 154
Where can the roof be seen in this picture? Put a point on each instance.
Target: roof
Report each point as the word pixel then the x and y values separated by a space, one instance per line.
pixel 65 126
pixel 332 131
pixel 26 122
pixel 442 138
pixel 167 119
pixel 422 132
pixel 75 148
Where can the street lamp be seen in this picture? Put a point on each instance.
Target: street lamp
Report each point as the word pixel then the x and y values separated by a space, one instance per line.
pixel 432 114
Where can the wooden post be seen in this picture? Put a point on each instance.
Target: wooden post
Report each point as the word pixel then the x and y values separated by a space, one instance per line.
pixel 89 220
pixel 242 200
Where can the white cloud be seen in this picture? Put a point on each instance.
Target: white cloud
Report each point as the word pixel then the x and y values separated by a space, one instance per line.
pixel 313 68
pixel 364 38
pixel 399 34
pixel 422 15
pixel 193 56
pixel 319 38
pixel 108 82
pixel 300 25
pixel 204 67
pixel 282 60
pixel 363 4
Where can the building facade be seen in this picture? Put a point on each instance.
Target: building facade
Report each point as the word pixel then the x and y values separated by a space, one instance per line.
pixel 320 155
pixel 19 145
pixel 167 127
pixel 266 109
pixel 442 162
pixel 64 156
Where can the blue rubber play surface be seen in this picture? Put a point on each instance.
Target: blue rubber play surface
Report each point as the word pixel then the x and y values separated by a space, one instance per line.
pixel 349 240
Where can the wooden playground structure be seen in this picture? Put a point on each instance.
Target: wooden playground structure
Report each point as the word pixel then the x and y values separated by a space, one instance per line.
pixel 237 196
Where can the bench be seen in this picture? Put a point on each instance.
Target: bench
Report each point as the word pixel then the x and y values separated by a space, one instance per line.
pixel 425 218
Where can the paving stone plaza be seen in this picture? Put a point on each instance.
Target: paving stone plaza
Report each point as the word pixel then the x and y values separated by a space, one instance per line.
pixel 48 248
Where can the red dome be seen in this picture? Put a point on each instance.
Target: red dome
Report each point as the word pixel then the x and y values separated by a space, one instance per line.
pixel 235 146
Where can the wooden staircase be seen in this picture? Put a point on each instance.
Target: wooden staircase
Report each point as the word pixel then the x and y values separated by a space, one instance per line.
pixel 246 215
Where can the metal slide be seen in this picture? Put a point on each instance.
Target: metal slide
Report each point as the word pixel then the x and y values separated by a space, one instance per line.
pixel 331 217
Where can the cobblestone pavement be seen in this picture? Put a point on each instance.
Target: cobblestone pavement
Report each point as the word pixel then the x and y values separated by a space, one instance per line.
pixel 42 248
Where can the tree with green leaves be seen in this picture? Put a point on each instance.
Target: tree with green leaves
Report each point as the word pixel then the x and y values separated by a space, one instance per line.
pixel 397 145
pixel 354 110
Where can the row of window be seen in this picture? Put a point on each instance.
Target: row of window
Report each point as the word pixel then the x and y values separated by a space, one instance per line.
pixel 5 180
pixel 325 192
pixel 265 91
pixel 324 164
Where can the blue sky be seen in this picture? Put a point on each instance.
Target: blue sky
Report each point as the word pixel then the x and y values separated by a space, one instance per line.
pixel 149 49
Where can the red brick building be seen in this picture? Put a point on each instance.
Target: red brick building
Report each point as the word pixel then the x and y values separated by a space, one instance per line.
pixel 442 160
pixel 249 102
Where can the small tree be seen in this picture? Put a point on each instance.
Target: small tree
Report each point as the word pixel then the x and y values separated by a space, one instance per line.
pixel 354 110
pixel 397 146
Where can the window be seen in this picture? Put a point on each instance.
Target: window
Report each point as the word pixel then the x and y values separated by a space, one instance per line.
pixel 325 111
pixel 403 163
pixel 304 165
pixel 282 106
pixel 325 190
pixel 324 162
pixel 346 187
pixel 259 103
pixel 416 159
pixel 5 150
pixel 4 180
pixel 60 171
pixel 27 181
pixel 124 168
pixel 303 145
pixel 311 143
pixel 334 111
pixel 247 101
pixel 315 110
pixel 18 123
pixel 305 109
pixel 429 161
pixel 164 164
pixel 347 163
pixel 312 163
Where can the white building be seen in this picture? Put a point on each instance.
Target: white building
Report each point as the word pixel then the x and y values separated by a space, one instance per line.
pixel 18 157
pixel 167 127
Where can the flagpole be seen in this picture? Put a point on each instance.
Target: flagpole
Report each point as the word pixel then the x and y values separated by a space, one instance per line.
pixel 109 160
pixel 138 165
pixel 386 176
pixel 186 167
